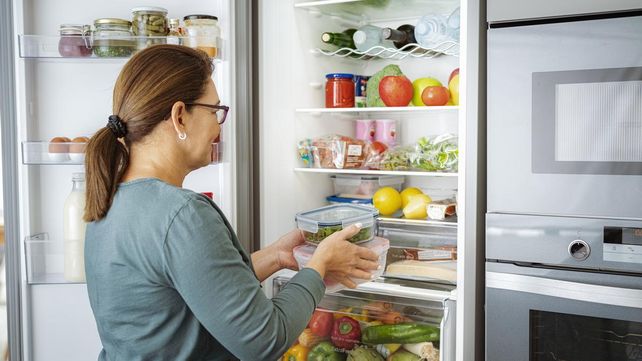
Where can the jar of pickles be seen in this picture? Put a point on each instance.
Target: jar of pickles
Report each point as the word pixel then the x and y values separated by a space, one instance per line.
pixel 150 24
pixel 74 40
pixel 202 33
pixel 113 38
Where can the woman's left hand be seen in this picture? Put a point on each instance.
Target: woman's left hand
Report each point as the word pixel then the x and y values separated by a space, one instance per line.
pixel 283 249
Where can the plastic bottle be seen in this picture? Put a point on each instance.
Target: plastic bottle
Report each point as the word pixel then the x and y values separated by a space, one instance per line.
pixel 74 231
pixel 432 31
pixel 369 36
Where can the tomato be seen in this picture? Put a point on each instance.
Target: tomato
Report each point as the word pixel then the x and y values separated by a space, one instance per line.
pixel 435 95
pixel 321 323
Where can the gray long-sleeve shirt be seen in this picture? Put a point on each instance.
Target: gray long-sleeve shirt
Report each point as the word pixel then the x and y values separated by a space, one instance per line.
pixel 168 280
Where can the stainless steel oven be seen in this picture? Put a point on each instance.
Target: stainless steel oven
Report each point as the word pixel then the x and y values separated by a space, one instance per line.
pixel 565 116
pixel 561 288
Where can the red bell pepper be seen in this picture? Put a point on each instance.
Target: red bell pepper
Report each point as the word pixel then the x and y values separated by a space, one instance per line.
pixel 346 333
pixel 321 323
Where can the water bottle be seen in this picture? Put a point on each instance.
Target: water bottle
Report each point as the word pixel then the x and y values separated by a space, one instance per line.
pixel 433 30
pixel 369 36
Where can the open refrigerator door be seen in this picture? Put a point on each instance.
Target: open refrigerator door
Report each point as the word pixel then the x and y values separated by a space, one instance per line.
pixel 327 140
pixel 64 77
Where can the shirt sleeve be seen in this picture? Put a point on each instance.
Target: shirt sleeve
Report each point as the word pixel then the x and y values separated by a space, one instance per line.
pixel 221 290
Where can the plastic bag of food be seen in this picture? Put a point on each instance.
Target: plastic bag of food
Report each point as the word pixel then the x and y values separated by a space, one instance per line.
pixel 397 158
pixel 375 153
pixel 436 154
pixel 304 150
pixel 338 151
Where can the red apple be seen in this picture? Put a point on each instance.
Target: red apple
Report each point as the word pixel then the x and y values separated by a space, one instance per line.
pixel 435 95
pixel 395 91
pixel 455 72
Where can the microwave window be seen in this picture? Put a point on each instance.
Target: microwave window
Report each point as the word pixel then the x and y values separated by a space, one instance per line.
pixel 559 336
pixel 598 122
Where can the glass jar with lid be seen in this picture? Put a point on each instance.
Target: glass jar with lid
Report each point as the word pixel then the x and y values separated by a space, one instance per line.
pixel 113 38
pixel 150 24
pixel 174 35
pixel 74 40
pixel 202 33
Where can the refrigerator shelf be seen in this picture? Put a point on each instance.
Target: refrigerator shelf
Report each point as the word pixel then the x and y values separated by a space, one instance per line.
pixel 69 153
pixel 375 172
pixel 46 47
pixel 45 260
pixel 448 222
pixel 380 110
pixel 374 11
pixel 408 51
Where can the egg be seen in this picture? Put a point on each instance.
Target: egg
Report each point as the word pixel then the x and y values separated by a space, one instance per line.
pixel 55 145
pixel 79 146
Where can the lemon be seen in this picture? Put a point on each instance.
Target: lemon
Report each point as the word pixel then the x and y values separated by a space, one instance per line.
pixel 387 200
pixel 407 193
pixel 416 208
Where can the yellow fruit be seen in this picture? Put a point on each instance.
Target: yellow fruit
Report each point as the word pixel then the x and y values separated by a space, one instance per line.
pixel 407 193
pixel 453 86
pixel 387 200
pixel 416 208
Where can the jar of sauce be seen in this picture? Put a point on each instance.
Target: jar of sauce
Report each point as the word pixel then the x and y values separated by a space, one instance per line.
pixel 339 90
pixel 74 40
pixel 202 33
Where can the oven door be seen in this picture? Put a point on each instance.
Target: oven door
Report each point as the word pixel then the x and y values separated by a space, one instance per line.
pixel 535 318
pixel 565 118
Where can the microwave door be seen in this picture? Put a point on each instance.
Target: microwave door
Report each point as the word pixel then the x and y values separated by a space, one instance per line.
pixel 565 118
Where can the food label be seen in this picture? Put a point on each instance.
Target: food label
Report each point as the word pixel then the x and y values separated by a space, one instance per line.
pixel 354 150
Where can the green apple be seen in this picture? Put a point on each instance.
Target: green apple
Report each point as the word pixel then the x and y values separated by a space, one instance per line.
pixel 453 86
pixel 419 85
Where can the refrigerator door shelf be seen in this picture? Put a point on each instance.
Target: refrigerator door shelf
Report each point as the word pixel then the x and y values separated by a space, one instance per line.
pixel 96 48
pixel 374 303
pixel 45 260
pixel 73 153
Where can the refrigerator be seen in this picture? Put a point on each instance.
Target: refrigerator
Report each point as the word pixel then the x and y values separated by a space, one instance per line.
pixel 271 71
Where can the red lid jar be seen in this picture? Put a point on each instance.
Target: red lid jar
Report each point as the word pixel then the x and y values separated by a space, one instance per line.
pixel 339 90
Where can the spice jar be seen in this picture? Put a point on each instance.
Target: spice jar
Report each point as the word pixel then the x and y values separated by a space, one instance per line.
pixel 74 40
pixel 149 23
pixel 339 90
pixel 202 33
pixel 174 35
pixel 113 38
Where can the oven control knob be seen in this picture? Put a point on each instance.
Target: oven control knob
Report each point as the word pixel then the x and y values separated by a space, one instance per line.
pixel 579 250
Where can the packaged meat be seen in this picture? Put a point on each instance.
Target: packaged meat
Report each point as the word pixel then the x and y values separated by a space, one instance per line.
pixel 338 151
pixel 439 210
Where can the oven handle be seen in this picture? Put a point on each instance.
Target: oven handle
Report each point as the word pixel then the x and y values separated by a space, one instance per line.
pixel 613 296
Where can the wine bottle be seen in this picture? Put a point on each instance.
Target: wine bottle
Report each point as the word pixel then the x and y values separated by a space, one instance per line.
pixel 341 40
pixel 402 36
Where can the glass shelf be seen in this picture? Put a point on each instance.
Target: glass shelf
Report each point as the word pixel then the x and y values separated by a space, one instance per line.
pixel 46 47
pixel 69 153
pixel 45 260
pixel 375 172
pixel 376 10
pixel 380 110
pixel 448 222
pixel 408 51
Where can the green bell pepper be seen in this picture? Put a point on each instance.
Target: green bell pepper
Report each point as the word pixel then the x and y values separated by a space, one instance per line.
pixel 325 351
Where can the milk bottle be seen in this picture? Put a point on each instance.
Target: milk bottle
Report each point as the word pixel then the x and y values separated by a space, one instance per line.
pixel 74 230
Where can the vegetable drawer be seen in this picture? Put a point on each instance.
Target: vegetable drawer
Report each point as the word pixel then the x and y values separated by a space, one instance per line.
pixel 379 321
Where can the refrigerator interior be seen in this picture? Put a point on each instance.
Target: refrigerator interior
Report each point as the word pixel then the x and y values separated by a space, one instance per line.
pixel 72 97
pixel 292 93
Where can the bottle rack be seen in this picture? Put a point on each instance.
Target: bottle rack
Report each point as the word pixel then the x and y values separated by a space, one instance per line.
pixel 407 51
pixel 44 260
pixel 45 46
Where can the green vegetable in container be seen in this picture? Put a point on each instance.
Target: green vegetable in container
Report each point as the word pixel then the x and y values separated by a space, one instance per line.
pixel 372 91
pixel 400 333
pixel 364 234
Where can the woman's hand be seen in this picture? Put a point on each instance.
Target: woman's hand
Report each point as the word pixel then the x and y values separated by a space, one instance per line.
pixel 340 260
pixel 283 249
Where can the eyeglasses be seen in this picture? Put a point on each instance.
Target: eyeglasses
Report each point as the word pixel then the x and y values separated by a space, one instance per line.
pixel 221 110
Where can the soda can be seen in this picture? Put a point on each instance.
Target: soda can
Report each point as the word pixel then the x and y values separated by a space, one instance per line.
pixel 361 82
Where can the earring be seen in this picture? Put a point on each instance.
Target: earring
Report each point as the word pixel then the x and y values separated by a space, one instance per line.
pixel 182 136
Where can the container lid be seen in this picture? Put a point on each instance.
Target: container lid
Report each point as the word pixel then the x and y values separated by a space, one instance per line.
pixel 348 200
pixel 74 29
pixel 112 21
pixel 156 9
pixel 383 180
pixel 339 76
pixel 174 22
pixel 200 16
pixel 336 215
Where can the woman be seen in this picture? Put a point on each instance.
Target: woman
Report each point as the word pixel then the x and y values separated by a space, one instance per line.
pixel 166 275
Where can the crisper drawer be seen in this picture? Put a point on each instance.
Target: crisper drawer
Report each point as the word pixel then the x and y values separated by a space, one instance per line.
pixel 378 320
pixel 422 252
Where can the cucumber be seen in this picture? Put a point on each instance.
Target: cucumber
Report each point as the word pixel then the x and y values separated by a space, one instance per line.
pixel 400 333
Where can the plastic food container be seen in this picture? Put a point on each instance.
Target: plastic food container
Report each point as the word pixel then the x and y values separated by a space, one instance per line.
pixel 319 223
pixel 364 185
pixel 203 33
pixel 347 200
pixel 112 38
pixel 379 245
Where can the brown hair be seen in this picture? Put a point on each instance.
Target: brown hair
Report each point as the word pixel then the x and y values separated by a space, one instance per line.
pixel 145 91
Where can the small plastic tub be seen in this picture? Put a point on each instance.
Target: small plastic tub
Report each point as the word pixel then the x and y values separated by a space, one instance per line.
pixel 367 202
pixel 378 245
pixel 364 185
pixel 319 223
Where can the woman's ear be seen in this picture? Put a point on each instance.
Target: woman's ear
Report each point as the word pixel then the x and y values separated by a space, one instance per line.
pixel 177 117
